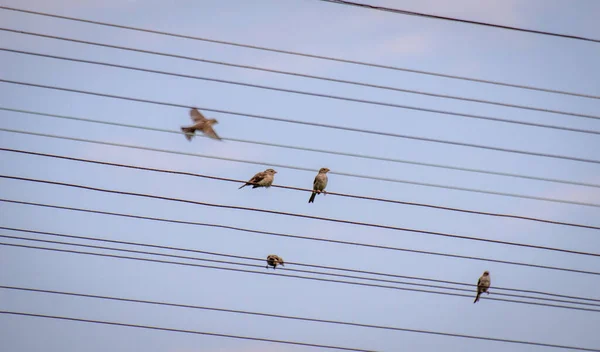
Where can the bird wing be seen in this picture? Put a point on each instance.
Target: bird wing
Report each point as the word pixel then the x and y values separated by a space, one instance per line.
pixel 479 283
pixel 196 115
pixel 258 177
pixel 209 131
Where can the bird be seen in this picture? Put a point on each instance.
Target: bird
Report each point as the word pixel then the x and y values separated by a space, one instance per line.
pixel 201 123
pixel 319 184
pixel 274 260
pixel 261 179
pixel 483 285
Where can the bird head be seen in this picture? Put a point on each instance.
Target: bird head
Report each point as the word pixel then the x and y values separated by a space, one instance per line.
pixel 486 273
pixel 212 121
pixel 324 170
pixel 270 171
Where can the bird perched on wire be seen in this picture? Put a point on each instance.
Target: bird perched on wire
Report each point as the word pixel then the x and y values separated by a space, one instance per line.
pixel 319 184
pixel 201 123
pixel 274 260
pixel 483 285
pixel 261 179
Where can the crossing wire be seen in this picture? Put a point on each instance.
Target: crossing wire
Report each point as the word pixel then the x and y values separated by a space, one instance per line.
pixel 294 53
pixel 258 272
pixel 314 320
pixel 197 251
pixel 445 112
pixel 174 172
pixel 291 167
pixel 306 238
pixel 315 150
pixel 420 14
pixel 156 328
pixel 423 139
pixel 304 216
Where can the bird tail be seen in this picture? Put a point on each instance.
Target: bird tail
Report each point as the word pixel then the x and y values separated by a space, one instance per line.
pixel 312 197
pixel 189 132
pixel 244 185
pixel 477 298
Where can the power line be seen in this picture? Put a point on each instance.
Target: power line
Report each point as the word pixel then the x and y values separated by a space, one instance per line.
pixel 291 167
pixel 105 163
pixel 73 294
pixel 196 251
pixel 488 118
pixel 306 238
pixel 424 139
pixel 420 14
pixel 260 272
pixel 315 150
pixel 304 216
pixel 191 331
pixel 287 52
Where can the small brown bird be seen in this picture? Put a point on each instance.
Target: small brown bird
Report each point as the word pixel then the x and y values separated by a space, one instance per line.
pixel 261 179
pixel 274 260
pixel 319 184
pixel 201 123
pixel 483 285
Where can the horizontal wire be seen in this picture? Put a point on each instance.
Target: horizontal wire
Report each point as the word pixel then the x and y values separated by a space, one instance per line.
pixel 244 161
pixel 313 56
pixel 321 95
pixel 321 78
pixel 187 331
pixel 105 163
pixel 73 294
pixel 424 139
pixel 426 15
pixel 304 216
pixel 307 238
pixel 315 150
pixel 471 286
pixel 260 272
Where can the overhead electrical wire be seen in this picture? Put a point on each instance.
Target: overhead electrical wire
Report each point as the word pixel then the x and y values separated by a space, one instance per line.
pixel 174 172
pixel 264 272
pixel 288 73
pixel 295 91
pixel 315 150
pixel 306 238
pixel 424 139
pixel 313 56
pixel 453 19
pixel 103 322
pixel 304 216
pixel 291 167
pixel 279 316
pixel 262 260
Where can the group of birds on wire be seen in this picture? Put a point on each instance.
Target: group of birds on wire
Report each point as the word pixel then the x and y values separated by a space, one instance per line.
pixel 266 178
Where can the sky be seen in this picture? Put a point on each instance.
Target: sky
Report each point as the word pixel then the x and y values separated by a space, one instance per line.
pixel 319 28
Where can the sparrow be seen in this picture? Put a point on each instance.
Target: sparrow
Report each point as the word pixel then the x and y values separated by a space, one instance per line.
pixel 483 284
pixel 274 260
pixel 319 184
pixel 201 123
pixel 261 179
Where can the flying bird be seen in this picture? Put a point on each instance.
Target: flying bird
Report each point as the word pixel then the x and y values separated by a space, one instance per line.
pixel 261 179
pixel 274 260
pixel 201 123
pixel 319 184
pixel 483 285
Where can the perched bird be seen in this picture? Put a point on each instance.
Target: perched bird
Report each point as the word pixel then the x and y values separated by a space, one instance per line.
pixel 274 260
pixel 319 183
pixel 483 284
pixel 261 179
pixel 201 123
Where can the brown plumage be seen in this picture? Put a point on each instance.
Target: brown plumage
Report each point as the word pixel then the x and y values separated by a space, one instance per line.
pixel 202 124
pixel 319 184
pixel 483 285
pixel 261 179
pixel 274 260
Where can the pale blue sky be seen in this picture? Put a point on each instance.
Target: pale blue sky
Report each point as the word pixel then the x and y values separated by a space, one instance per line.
pixel 325 29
